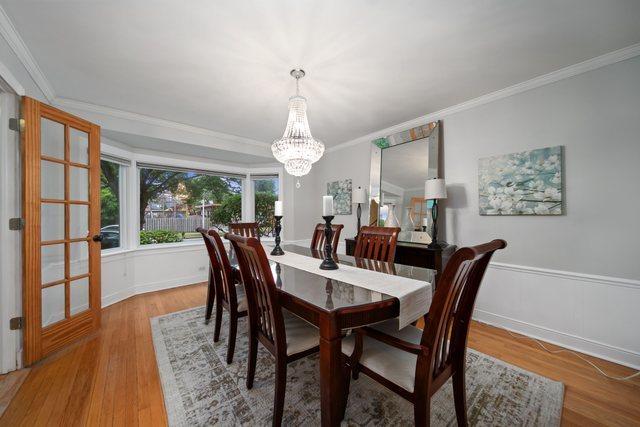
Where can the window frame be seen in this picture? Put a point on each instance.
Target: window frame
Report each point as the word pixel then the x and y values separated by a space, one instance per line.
pixel 185 168
pixel 251 178
pixel 123 173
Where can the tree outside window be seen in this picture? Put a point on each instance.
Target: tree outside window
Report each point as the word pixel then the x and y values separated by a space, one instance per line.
pixel 265 192
pixel 110 204
pixel 174 203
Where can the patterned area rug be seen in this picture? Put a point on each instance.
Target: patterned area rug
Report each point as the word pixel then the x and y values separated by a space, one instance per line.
pixel 201 389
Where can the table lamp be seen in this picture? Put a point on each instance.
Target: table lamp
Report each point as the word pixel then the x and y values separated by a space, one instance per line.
pixel 435 189
pixel 359 197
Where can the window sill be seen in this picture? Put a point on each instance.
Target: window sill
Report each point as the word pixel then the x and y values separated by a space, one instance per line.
pixel 188 244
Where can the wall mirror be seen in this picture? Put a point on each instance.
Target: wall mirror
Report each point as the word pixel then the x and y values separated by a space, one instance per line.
pixel 400 164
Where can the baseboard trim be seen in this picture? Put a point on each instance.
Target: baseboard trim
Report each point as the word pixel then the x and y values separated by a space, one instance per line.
pixel 117 297
pixel 562 339
pixel 168 284
pixel 151 287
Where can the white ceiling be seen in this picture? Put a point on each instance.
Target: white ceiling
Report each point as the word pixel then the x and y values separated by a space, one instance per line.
pixel 223 65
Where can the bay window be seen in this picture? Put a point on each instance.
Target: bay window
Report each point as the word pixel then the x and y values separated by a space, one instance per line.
pixel 176 201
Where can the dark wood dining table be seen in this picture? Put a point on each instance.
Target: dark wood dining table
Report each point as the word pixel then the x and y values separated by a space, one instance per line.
pixel 335 307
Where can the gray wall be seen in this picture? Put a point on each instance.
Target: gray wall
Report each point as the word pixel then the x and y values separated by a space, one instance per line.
pixel 595 116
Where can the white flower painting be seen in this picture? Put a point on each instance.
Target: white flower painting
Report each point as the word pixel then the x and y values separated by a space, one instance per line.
pixel 527 183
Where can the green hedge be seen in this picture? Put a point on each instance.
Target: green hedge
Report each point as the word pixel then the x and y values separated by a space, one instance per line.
pixel 159 236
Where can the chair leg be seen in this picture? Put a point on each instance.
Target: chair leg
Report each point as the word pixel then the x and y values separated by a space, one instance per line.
pixel 211 296
pixel 218 324
pixel 460 397
pixel 251 362
pixel 346 375
pixel 354 359
pixel 231 344
pixel 278 399
pixel 422 412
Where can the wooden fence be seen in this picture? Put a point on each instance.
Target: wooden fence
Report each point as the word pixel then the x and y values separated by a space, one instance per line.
pixel 182 225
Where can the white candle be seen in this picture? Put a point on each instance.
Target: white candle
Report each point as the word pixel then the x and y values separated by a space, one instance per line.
pixel 278 208
pixel 327 205
pixel 425 222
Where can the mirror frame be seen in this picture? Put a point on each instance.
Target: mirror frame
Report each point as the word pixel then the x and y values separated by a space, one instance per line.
pixel 430 130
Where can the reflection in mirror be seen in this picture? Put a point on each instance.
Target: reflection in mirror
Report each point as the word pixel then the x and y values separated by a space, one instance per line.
pixel 400 164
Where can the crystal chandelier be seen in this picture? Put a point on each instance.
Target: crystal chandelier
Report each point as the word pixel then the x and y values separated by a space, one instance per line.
pixel 297 149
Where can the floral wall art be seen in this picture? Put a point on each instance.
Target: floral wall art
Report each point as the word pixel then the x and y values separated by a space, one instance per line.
pixel 341 192
pixel 526 183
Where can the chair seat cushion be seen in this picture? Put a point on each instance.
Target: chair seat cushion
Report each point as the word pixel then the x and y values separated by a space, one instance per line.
pixel 396 365
pixel 301 335
pixel 241 297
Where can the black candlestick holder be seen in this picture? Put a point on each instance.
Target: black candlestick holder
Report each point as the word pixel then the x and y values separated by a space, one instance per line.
pixel 277 250
pixel 328 263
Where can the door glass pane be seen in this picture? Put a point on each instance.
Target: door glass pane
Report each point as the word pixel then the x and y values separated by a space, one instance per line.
pixel 51 138
pixel 52 180
pixel 78 258
pixel 79 294
pixel 52 221
pixel 78 146
pixel 78 183
pixel 78 221
pixel 52 263
pixel 52 304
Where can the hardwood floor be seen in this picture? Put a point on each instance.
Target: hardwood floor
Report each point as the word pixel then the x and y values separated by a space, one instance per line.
pixel 111 378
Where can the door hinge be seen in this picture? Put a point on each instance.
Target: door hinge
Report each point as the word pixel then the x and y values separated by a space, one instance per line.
pixel 16 224
pixel 16 124
pixel 15 323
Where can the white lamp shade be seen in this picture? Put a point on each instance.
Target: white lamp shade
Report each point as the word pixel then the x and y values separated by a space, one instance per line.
pixel 435 189
pixel 359 195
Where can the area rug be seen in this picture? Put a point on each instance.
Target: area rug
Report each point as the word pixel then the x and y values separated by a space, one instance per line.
pixel 201 389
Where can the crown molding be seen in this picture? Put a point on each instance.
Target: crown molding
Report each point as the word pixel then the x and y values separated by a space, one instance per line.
pixel 15 42
pixel 552 77
pixel 137 117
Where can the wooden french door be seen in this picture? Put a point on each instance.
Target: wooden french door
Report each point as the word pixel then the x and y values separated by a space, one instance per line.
pixel 61 247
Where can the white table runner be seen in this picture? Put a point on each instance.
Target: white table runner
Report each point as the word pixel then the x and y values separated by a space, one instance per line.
pixel 414 295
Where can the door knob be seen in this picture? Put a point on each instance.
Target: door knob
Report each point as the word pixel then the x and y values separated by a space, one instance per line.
pixel 97 238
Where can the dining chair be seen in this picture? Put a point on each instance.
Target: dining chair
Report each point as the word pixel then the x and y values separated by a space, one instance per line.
pixel 245 229
pixel 286 336
pixel 318 238
pixel 229 292
pixel 377 243
pixel 211 280
pixel 415 363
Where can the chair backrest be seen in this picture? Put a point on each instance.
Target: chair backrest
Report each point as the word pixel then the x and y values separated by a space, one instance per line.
pixel 265 313
pixel 445 333
pixel 377 243
pixel 245 229
pixel 227 283
pixel 214 264
pixel 318 239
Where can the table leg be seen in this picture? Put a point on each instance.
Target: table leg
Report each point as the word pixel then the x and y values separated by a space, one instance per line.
pixel 331 381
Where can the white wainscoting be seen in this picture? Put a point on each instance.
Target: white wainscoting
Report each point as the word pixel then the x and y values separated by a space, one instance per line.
pixel 129 273
pixel 596 315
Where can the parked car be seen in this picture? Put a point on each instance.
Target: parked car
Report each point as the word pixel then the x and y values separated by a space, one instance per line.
pixel 110 236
